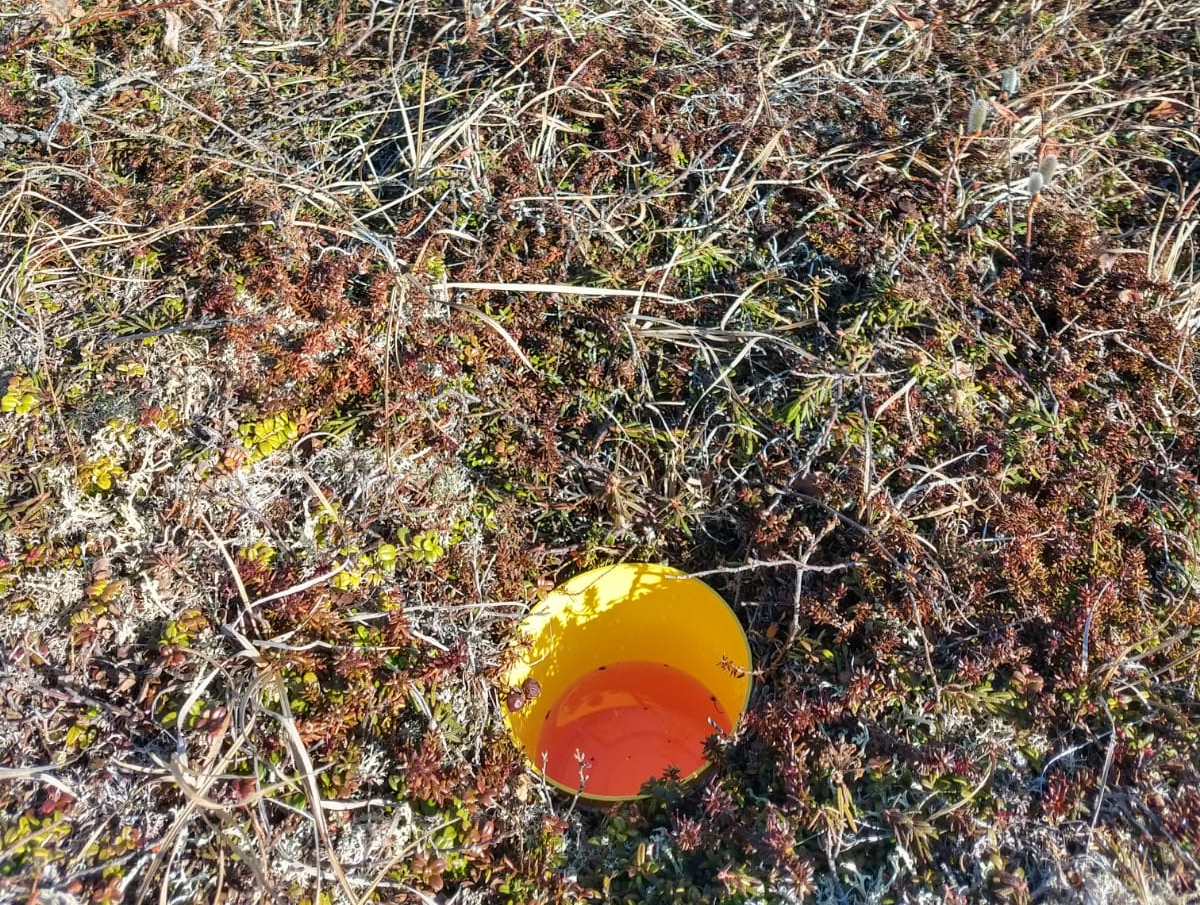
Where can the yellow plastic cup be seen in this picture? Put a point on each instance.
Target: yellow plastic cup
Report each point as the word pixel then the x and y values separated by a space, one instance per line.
pixel 622 673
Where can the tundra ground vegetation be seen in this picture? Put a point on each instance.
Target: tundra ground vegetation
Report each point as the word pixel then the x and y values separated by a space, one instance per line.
pixel 336 332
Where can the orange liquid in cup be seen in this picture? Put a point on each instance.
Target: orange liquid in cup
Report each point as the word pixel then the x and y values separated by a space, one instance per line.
pixel 630 721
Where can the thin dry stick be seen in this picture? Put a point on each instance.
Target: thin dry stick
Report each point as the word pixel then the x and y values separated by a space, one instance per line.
pixel 1029 230
pixel 233 569
pixel 562 289
pixel 38 774
pixel 397 298
pixel 1104 771
pixel 784 561
pixel 313 792
pixel 487 319
pixel 499 328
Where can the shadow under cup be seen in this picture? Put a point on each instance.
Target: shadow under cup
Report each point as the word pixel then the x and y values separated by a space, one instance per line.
pixel 635 666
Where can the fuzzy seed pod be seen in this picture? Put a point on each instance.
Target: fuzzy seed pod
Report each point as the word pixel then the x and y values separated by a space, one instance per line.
pixel 1010 81
pixel 1048 167
pixel 1036 183
pixel 977 116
